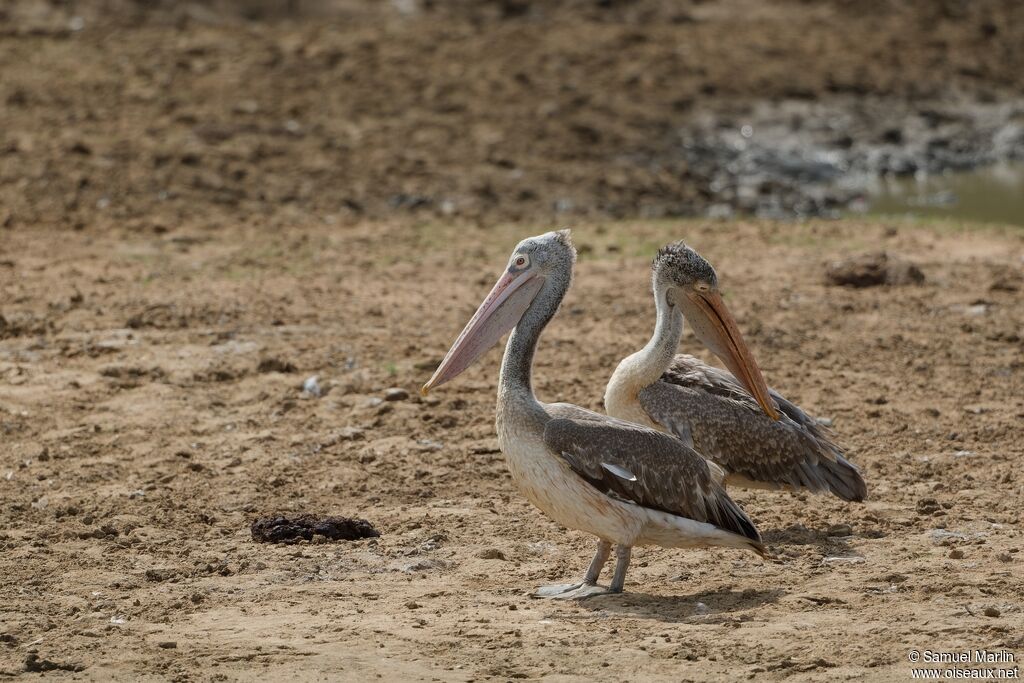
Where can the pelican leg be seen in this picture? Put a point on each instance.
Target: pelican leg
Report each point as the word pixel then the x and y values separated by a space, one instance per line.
pixel 622 555
pixel 569 591
pixel 604 549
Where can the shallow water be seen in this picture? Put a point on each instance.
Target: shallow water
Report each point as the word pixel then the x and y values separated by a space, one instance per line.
pixel 993 194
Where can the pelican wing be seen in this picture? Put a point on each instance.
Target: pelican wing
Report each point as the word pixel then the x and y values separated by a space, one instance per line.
pixel 643 466
pixel 724 423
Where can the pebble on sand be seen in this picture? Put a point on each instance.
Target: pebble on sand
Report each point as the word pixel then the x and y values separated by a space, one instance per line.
pixel 311 387
pixel 395 394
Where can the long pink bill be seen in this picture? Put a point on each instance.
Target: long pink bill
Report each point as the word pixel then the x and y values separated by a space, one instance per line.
pixel 499 313
pixel 717 330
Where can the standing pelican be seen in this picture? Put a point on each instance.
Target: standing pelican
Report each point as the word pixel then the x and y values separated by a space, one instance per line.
pixel 624 483
pixel 732 419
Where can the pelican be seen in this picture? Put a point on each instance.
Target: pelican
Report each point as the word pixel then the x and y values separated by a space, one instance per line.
pixel 759 438
pixel 626 484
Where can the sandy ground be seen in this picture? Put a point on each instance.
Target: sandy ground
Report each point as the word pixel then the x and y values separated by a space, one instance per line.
pixel 141 438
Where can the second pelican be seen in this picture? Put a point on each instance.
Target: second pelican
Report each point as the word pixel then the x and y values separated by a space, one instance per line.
pixel 759 438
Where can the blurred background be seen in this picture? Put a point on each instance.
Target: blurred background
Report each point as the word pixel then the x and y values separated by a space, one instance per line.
pixel 154 113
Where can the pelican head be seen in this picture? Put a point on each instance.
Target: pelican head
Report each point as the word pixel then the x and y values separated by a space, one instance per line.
pixel 684 278
pixel 534 261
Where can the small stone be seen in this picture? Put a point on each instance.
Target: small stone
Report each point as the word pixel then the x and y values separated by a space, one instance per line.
pixel 412 604
pixel 396 394
pixel 991 612
pixel 956 554
pixel 840 530
pixel 168 645
pixel 491 554
pixel 1004 557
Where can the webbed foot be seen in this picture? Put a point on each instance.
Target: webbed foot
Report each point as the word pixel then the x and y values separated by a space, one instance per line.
pixel 571 591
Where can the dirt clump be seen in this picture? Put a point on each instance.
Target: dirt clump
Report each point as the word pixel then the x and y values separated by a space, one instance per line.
pixel 873 270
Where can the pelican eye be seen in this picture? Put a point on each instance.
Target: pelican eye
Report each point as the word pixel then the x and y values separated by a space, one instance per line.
pixel 521 262
pixel 702 287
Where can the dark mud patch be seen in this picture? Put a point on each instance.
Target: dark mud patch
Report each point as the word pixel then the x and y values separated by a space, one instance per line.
pixel 280 529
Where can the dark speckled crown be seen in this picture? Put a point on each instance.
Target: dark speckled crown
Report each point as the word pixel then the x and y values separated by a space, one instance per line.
pixel 565 237
pixel 683 264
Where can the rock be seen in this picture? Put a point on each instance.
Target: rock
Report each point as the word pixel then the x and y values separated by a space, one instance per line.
pixel 344 434
pixel 396 394
pixel 872 270
pixel 492 554
pixel 840 530
pixel 167 645
pixel 944 537
pixel 991 612
pixel 159 575
pixel 424 565
pixel 928 506
pixel 956 554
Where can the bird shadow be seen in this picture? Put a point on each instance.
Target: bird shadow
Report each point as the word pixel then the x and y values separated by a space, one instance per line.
pixel 828 541
pixel 707 607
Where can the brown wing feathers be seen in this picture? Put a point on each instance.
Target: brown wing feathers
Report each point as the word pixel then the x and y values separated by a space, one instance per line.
pixel 727 426
pixel 645 467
